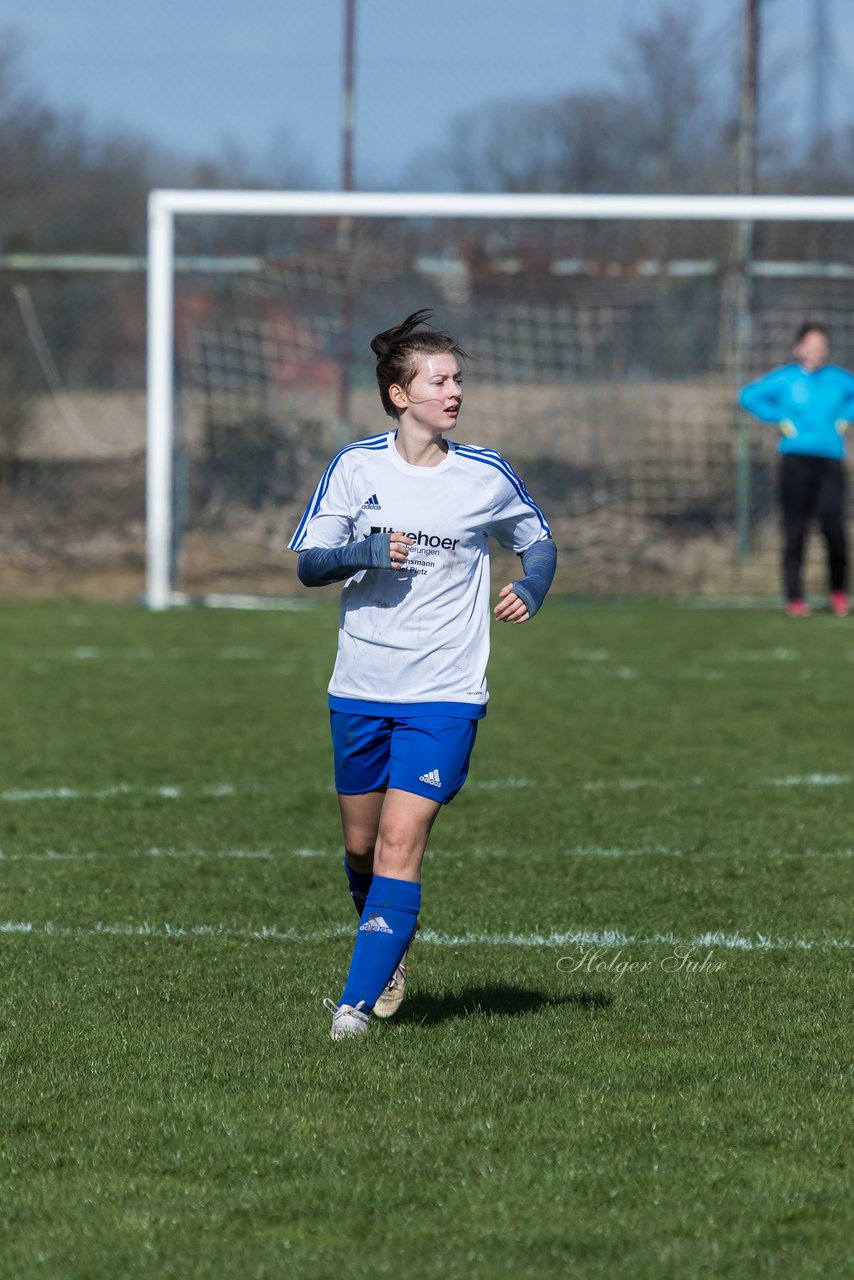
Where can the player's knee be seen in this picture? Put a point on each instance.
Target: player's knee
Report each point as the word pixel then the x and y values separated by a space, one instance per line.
pixel 360 853
pixel 397 845
pixel 398 864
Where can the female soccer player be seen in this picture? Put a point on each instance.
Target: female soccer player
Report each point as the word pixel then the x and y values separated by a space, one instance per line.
pixel 811 402
pixel 403 518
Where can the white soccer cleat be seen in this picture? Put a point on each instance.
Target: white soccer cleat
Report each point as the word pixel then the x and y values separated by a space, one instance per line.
pixel 348 1019
pixel 392 995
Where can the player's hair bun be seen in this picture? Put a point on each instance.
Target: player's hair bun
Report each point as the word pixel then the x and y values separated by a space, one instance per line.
pixel 389 338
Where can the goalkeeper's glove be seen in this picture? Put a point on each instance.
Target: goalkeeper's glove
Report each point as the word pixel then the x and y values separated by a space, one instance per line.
pixel 788 428
pixel 841 425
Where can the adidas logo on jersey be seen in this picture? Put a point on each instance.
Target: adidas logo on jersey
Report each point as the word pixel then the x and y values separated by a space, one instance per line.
pixel 375 924
pixel 432 777
pixel 372 504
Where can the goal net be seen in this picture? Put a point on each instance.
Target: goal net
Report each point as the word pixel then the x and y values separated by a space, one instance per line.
pixel 609 338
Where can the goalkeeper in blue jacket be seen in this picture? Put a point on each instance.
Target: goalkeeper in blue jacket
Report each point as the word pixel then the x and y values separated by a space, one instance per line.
pixel 811 402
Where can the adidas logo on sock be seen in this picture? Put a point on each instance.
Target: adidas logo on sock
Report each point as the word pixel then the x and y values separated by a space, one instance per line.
pixel 432 777
pixel 372 503
pixel 376 924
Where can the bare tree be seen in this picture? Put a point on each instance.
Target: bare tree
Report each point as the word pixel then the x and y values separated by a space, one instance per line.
pixel 662 129
pixel 66 187
pixel 677 135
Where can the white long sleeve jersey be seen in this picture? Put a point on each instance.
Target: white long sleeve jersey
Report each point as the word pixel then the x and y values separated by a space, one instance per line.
pixel 418 634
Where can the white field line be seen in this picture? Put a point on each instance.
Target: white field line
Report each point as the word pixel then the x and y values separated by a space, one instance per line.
pixel 777 654
pixel 223 789
pixel 52 855
pixel 613 938
pixel 258 653
pixel 97 653
pixel 602 658
pixel 205 853
pixel 167 792
pixel 582 851
pixel 814 780
pixel 47 855
pixel 439 853
pixel 501 784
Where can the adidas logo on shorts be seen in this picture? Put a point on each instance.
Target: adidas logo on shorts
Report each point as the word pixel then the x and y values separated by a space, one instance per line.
pixel 372 503
pixel 375 924
pixel 432 777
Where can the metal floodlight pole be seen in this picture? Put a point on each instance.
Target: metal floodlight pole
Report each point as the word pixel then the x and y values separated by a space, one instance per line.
pixel 345 226
pixel 821 65
pixel 742 322
pixel 347 95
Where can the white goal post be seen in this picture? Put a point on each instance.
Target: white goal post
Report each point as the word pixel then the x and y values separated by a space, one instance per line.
pixel 164 206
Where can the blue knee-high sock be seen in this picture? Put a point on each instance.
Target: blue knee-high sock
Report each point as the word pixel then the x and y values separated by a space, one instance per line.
pixel 360 883
pixel 388 923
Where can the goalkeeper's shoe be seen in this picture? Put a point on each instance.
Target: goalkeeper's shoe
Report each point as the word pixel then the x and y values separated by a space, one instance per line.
pixel 392 995
pixel 348 1019
pixel 839 604
pixel 798 609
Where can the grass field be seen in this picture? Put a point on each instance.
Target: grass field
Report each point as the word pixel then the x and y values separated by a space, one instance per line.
pixel 627 1051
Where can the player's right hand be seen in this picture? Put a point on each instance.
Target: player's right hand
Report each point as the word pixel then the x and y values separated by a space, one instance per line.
pixel 399 549
pixel 788 428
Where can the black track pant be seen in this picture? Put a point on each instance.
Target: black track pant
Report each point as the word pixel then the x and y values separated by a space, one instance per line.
pixel 812 487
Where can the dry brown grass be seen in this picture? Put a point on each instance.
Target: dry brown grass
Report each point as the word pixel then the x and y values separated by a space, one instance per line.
pixel 638 479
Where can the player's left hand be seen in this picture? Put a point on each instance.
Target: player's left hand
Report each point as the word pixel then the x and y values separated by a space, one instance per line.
pixel 510 607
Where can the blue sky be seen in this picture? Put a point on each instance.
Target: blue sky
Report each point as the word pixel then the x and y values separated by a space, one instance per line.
pixel 266 74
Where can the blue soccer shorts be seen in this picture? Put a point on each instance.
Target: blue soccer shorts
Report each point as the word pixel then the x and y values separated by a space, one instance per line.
pixel 427 755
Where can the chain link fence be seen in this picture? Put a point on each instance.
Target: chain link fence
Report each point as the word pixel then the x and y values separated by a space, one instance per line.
pixel 610 384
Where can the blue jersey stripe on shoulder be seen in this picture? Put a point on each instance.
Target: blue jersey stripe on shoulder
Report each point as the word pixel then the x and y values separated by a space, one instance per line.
pixel 481 448
pixel 375 443
pixel 499 461
pixel 370 442
pixel 491 458
pixel 481 454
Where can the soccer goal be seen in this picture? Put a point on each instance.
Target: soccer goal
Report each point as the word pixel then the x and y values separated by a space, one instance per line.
pixel 609 337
